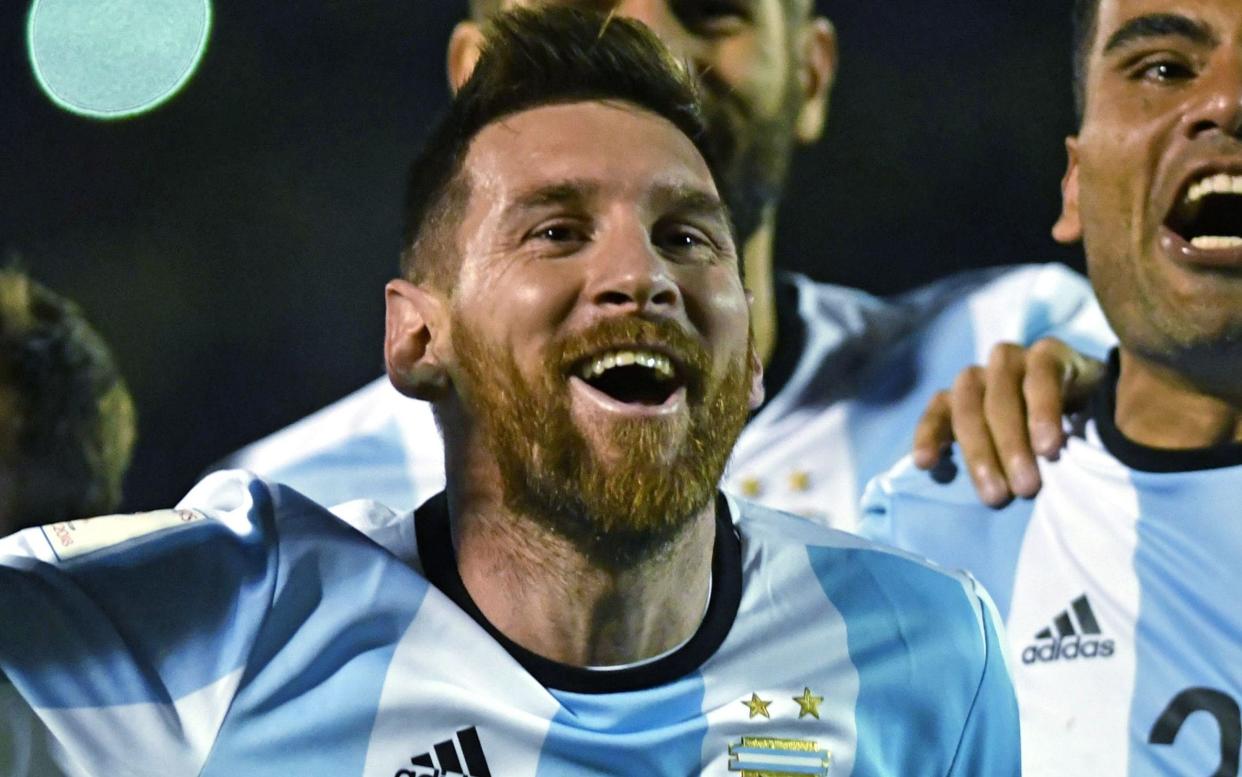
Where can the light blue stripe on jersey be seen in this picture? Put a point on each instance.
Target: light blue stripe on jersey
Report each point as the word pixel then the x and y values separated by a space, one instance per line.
pixel 899 384
pixel 81 633
pixel 615 733
pixel 337 474
pixel 341 616
pixel 1188 560
pixel 934 518
pixel 867 602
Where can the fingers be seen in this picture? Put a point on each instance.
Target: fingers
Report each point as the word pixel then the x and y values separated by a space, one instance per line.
pixel 970 427
pixel 1005 413
pixel 1049 368
pixel 934 433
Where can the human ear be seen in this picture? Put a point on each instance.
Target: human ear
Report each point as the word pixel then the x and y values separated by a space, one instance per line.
pixel 756 380
pixel 817 69
pixel 464 47
pixel 1068 227
pixel 414 319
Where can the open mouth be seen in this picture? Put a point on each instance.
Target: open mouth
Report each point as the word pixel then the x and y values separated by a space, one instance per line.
pixel 1208 215
pixel 632 376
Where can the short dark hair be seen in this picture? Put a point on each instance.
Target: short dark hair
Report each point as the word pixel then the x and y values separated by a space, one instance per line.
pixel 67 429
pixel 532 58
pixel 480 10
pixel 1085 17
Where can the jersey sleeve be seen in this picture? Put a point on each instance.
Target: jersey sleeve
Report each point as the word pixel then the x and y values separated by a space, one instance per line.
pixel 1061 303
pixel 990 742
pixel 937 515
pixel 128 635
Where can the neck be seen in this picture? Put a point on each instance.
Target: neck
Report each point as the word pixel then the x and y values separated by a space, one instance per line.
pixel 760 281
pixel 1161 408
pixel 543 593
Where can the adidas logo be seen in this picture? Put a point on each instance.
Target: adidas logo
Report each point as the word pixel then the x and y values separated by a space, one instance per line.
pixel 1067 641
pixel 461 756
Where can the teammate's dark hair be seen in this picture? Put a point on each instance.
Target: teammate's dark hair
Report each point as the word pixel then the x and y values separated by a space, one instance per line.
pixel 67 421
pixel 533 58
pixel 480 10
pixel 1085 15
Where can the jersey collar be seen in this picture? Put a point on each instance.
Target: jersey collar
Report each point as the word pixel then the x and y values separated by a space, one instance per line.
pixel 435 550
pixel 1103 410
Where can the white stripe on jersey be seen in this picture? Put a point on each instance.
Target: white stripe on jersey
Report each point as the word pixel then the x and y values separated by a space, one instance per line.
pixel 1062 721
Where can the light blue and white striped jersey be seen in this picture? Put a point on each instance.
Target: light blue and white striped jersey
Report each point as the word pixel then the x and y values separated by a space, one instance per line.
pixel 851 376
pixel 252 632
pixel 1119 587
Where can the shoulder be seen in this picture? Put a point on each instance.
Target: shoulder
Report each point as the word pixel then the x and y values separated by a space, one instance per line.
pixel 230 511
pixel 889 579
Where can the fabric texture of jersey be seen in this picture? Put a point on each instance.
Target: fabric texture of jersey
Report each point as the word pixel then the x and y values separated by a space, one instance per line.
pixel 1118 584
pixel 857 372
pixel 252 632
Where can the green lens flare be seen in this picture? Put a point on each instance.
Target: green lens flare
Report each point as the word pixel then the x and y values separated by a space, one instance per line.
pixel 111 59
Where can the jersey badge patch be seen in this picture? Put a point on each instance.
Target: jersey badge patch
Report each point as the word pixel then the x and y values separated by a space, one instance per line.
pixel 70 539
pixel 772 757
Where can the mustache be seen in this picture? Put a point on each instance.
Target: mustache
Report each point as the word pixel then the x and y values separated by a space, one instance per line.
pixel 692 360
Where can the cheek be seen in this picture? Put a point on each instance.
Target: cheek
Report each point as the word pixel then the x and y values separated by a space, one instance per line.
pixel 755 69
pixel 719 310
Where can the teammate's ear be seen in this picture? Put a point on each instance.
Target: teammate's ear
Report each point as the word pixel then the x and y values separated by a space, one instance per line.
pixel 1068 228
pixel 756 380
pixel 413 323
pixel 463 52
pixel 817 69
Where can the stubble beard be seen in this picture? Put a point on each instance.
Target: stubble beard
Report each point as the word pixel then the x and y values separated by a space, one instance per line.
pixel 753 152
pixel 630 507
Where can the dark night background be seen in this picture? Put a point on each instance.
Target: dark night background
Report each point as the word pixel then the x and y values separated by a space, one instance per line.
pixel 233 244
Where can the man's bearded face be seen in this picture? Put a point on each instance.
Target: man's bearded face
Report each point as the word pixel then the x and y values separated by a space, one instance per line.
pixel 613 507
pixel 753 151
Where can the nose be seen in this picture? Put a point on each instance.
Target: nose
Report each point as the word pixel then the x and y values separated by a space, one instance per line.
pixel 629 276
pixel 1218 106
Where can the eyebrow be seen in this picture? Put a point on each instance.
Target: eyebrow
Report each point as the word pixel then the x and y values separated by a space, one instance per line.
pixel 1161 25
pixel 690 199
pixel 562 193
pixel 682 197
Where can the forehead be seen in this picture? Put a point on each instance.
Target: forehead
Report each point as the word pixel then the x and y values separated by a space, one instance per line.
pixel 618 149
pixel 773 9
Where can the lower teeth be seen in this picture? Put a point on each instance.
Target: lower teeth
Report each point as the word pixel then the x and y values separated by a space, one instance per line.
pixel 1214 241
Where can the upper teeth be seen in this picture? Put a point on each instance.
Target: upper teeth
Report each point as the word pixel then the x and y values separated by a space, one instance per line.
pixel 1216 241
pixel 655 361
pixel 1220 183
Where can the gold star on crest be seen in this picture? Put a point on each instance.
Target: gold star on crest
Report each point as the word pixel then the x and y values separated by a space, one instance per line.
pixel 758 706
pixel 800 481
pixel 808 704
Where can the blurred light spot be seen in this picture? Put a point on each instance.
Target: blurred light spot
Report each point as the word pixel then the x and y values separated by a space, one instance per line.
pixel 109 59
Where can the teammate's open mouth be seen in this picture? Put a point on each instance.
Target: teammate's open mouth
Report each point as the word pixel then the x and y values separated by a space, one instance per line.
pixel 637 377
pixel 1208 214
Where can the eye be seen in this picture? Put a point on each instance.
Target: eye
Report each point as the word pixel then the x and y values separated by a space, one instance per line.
pixel 1164 71
pixel 559 232
pixel 681 240
pixel 713 17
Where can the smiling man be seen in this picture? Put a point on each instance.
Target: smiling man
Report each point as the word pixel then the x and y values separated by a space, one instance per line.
pixel 846 374
pixel 581 599
pixel 1115 581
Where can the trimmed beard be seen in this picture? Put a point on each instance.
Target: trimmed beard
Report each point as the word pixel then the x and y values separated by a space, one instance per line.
pixel 617 512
